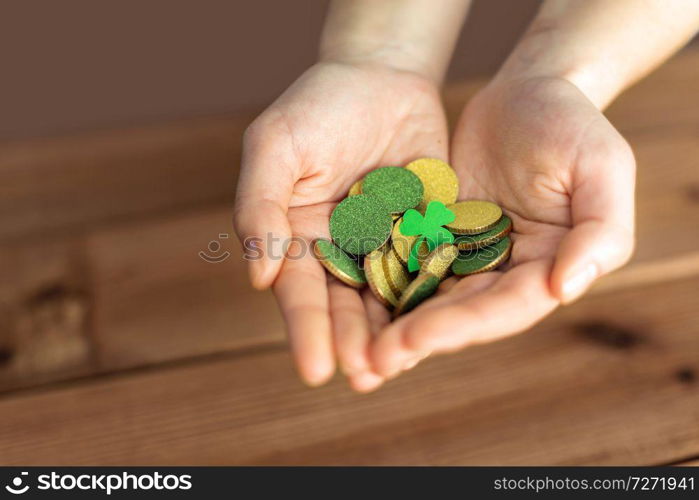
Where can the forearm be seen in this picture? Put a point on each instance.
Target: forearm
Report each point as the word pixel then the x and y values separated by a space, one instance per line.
pixel 602 46
pixel 411 35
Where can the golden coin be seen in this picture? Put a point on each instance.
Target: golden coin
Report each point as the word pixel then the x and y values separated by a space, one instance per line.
pixel 402 244
pixel 397 275
pixel 338 263
pixel 355 189
pixel 490 237
pixel 438 179
pixel 376 277
pixel 483 259
pixel 473 216
pixel 420 289
pixel 439 261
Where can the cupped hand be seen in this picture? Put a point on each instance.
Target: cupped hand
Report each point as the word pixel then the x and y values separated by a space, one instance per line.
pixel 542 151
pixel 299 159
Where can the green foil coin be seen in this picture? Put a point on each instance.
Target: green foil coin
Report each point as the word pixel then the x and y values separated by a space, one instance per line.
pixel 472 241
pixel 419 290
pixel 483 259
pixel 360 224
pixel 339 264
pixel 400 189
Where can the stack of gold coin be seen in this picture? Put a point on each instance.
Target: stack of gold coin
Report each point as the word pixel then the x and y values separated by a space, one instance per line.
pixel 479 232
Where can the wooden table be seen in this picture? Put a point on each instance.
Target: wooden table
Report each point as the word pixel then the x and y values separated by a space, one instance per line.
pixel 119 345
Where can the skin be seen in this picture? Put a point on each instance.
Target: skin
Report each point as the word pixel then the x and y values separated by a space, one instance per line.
pixel 534 141
pixel 330 128
pixel 542 151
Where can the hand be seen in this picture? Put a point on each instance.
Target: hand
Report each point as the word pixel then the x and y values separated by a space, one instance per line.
pixel 541 150
pixel 300 157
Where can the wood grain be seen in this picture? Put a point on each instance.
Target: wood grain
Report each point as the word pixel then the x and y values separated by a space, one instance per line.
pixel 611 380
pixel 109 226
pixel 44 312
pixel 156 263
pixel 156 299
pixel 65 184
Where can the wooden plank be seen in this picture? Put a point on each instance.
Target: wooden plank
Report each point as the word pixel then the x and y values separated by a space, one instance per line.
pixel 661 101
pixel 145 295
pixel 195 308
pixel 44 312
pixel 561 394
pixel 157 299
pixel 161 268
pixel 66 183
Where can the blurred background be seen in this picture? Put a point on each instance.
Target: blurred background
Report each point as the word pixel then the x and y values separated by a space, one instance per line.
pixel 78 64
pixel 129 335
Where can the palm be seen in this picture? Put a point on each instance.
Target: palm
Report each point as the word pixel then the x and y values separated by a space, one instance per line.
pixel 341 121
pixel 539 149
pixel 332 126
pixel 518 148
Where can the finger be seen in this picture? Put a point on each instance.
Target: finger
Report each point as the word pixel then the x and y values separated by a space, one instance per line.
pixel 602 203
pixel 515 301
pixel 264 188
pixel 447 285
pixel 301 291
pixel 366 381
pixel 350 328
pixel 391 354
pixel 376 316
pixel 376 312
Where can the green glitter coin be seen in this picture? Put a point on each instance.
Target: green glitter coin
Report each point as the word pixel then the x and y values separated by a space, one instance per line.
pixel 400 189
pixel 419 290
pixel 501 229
pixel 339 264
pixel 483 259
pixel 360 224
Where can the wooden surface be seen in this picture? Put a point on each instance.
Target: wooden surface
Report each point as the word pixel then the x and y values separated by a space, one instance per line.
pixel 119 344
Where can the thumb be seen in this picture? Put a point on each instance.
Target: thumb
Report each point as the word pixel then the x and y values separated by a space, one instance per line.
pixel 264 189
pixel 602 205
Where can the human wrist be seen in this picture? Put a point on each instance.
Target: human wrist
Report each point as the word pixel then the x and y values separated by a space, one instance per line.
pixel 548 53
pixel 393 56
pixel 601 47
pixel 404 35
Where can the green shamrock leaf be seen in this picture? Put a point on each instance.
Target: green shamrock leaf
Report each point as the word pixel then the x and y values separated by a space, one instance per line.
pixel 428 228
pixel 438 215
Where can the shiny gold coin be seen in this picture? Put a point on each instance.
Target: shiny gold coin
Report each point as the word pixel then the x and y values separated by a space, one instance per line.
pixel 439 261
pixel 338 263
pixel 397 275
pixel 402 244
pixel 376 277
pixel 355 189
pixel 419 290
pixel 490 237
pixel 484 259
pixel 438 179
pixel 473 216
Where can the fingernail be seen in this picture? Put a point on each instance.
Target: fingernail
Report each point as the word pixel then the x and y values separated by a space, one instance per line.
pixel 366 382
pixel 411 364
pixel 580 281
pixel 255 270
